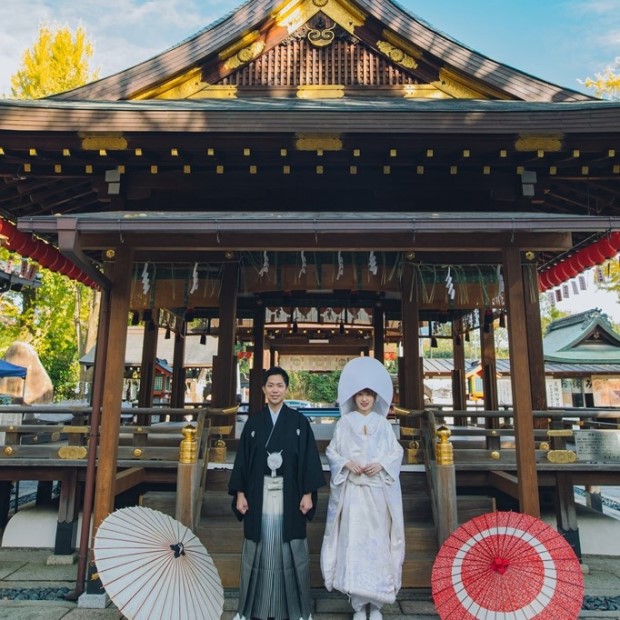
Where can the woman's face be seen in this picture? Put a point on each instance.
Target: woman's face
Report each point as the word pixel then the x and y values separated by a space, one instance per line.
pixel 364 401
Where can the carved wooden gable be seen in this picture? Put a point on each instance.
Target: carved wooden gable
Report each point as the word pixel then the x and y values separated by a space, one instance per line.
pixel 330 53
pixel 319 55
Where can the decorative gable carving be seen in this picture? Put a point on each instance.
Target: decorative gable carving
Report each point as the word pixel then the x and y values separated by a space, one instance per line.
pixel 321 49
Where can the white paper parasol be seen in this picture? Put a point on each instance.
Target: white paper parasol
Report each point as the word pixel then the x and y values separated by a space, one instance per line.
pixel 154 567
pixel 361 373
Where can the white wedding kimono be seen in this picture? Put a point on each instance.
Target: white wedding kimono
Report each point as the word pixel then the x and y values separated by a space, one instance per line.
pixel 364 544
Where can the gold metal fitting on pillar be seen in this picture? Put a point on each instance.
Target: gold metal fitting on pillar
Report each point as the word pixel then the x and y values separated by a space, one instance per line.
pixel 217 452
pixel 445 454
pixel 188 450
pixel 412 452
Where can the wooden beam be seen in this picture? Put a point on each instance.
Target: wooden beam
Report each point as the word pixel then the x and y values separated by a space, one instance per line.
pixel 505 482
pixel 157 245
pixel 128 479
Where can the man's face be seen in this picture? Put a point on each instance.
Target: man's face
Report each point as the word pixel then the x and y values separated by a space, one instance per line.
pixel 275 390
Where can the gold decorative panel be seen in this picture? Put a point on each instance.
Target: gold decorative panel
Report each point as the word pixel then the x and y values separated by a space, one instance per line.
pixel 72 452
pixel 397 55
pixel 561 456
pixel 315 142
pixel 109 142
pixel 548 143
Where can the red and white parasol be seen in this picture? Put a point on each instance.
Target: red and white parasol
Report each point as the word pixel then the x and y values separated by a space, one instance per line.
pixel 507 566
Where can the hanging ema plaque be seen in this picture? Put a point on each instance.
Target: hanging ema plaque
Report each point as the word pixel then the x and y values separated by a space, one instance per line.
pixel 600 446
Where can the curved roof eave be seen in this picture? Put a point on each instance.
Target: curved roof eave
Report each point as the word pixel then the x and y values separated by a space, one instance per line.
pixel 251 14
pixel 457 55
pixel 269 116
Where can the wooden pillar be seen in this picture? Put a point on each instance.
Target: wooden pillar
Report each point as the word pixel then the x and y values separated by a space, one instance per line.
pixel 410 379
pixel 147 370
pixel 489 367
pixel 92 582
pixel 66 529
pixel 113 386
pixel 535 343
pixel 224 378
pixel 459 395
pixel 378 319
pixel 489 380
pixel 529 502
pixel 256 373
pixel 177 397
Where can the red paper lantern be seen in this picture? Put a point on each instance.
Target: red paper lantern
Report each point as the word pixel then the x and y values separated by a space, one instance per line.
pixel 554 277
pixel 73 272
pixel 574 265
pixel 606 247
pixel 566 270
pixel 18 241
pixel 55 262
pixel 43 252
pixel 7 229
pixel 543 281
pixel 581 260
pixel 594 255
pixel 614 239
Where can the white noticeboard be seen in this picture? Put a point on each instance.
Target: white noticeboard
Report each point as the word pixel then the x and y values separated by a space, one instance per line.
pixel 601 446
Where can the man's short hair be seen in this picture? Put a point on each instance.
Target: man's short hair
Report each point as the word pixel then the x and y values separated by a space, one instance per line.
pixel 275 370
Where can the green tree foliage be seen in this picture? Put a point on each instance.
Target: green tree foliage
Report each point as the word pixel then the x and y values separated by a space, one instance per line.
pixel 317 387
pixel 611 276
pixel 607 83
pixel 53 319
pixel 58 61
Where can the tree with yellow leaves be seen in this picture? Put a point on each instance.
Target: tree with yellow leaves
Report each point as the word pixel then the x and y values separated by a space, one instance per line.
pixel 58 61
pixel 607 83
pixel 59 317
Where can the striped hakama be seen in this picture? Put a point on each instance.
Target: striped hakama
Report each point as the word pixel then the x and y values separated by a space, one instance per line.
pixel 275 575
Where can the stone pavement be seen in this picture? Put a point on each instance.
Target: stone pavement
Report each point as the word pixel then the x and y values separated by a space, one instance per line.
pixel 21 568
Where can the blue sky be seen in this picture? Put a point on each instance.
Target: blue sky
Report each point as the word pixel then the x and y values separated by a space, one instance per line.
pixel 561 41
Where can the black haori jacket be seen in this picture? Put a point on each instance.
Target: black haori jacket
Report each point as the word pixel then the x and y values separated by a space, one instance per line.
pixel 301 470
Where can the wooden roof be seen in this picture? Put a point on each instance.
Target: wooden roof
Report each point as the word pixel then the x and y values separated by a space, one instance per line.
pixel 586 337
pixel 196 355
pixel 315 106
pixel 258 26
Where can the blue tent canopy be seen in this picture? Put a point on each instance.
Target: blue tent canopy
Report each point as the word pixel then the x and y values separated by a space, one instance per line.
pixel 12 370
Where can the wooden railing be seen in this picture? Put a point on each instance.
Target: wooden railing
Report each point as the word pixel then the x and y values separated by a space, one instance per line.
pixel 488 446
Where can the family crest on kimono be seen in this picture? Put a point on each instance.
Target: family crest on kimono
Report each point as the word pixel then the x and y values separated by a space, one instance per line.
pixel 364 543
pixel 274 483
